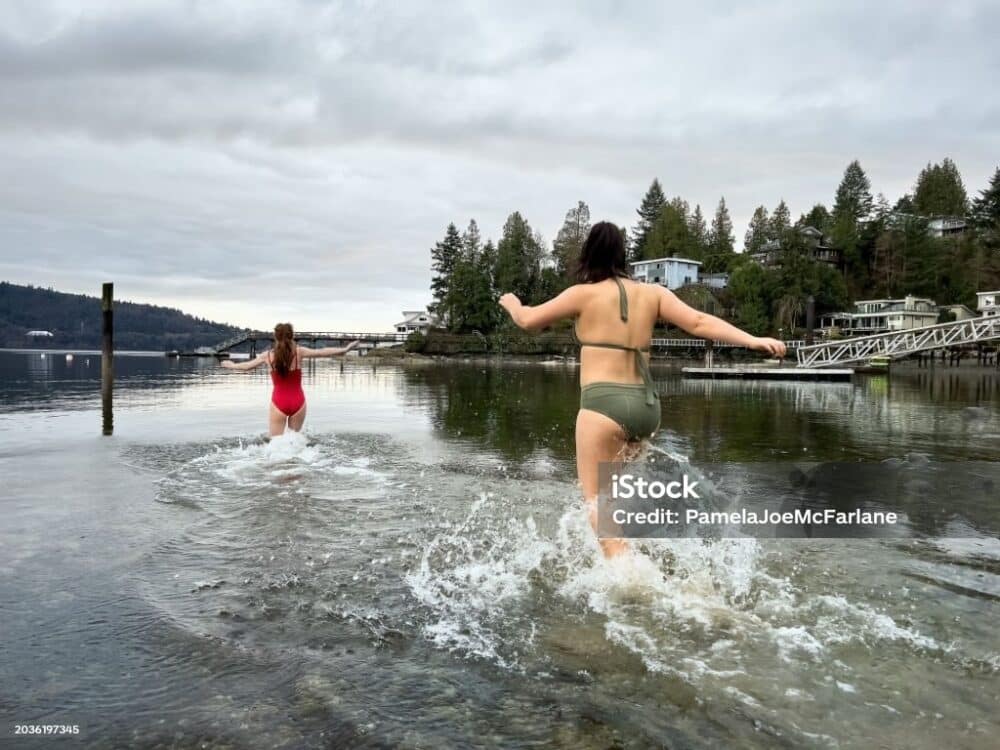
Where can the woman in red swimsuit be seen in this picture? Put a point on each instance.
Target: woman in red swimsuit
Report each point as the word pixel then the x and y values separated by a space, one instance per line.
pixel 288 401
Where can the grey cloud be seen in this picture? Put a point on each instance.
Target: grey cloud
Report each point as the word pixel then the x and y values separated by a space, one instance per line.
pixel 222 143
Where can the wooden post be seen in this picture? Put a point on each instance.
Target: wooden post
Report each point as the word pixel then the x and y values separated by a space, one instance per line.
pixel 810 318
pixel 107 357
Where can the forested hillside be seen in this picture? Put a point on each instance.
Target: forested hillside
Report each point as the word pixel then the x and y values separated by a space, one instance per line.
pixel 884 249
pixel 75 321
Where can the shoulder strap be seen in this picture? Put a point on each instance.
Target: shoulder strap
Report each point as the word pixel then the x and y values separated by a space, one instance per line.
pixel 622 300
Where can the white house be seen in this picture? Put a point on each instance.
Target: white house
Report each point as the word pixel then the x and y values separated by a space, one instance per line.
pixel 883 315
pixel 945 226
pixel 988 303
pixel 714 280
pixel 416 320
pixel 672 273
pixel 961 312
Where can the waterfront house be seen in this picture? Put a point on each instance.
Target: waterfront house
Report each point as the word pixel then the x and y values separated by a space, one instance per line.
pixel 817 246
pixel 883 315
pixel 958 312
pixel 988 303
pixel 672 273
pixel 420 321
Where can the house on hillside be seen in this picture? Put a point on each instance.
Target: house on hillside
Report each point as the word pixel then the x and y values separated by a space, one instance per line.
pixel 937 226
pixel 988 303
pixel 883 315
pixel 419 321
pixel 715 280
pixel 672 273
pixel 818 248
pixel 946 226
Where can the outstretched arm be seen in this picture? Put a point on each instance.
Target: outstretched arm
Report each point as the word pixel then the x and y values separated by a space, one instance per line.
pixel 250 364
pixel 706 326
pixel 532 318
pixel 330 351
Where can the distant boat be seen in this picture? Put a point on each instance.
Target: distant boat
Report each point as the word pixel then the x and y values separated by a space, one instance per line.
pixel 40 334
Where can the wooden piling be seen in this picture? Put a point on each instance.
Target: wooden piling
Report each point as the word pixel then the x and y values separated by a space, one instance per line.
pixel 107 357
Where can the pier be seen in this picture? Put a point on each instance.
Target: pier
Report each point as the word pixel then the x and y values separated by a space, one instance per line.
pixel 897 344
pixel 763 372
pixel 312 338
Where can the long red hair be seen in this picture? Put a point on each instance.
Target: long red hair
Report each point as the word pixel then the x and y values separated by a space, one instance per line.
pixel 284 348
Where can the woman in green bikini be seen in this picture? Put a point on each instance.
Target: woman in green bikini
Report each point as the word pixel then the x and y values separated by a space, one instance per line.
pixel 614 317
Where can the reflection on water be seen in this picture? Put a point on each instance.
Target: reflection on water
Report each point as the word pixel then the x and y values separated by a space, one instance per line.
pixel 415 570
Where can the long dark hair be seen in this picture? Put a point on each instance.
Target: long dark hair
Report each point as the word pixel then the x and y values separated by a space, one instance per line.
pixel 602 255
pixel 284 348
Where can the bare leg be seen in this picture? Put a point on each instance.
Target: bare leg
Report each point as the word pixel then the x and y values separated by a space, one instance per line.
pixel 276 421
pixel 298 419
pixel 598 439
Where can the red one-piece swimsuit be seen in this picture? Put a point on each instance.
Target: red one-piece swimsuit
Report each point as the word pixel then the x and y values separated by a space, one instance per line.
pixel 288 395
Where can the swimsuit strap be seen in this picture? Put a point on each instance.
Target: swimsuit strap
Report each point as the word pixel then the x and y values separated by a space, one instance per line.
pixel 622 300
pixel 640 361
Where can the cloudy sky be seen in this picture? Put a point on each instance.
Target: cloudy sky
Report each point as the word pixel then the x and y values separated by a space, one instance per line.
pixel 261 161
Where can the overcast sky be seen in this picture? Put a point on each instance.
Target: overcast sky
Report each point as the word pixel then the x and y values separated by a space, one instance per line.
pixel 260 161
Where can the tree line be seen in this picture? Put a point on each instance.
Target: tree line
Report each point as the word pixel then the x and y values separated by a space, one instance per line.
pixel 75 321
pixel 887 251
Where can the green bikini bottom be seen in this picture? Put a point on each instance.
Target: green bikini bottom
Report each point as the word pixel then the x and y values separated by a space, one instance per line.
pixel 624 403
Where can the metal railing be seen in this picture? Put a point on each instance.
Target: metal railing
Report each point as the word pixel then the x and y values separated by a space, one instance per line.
pixel 899 343
pixel 377 338
pixel 700 344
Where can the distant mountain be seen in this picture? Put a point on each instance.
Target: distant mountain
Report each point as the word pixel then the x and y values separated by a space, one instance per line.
pixel 75 321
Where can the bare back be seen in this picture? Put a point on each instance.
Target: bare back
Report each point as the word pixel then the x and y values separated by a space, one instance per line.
pixel 600 320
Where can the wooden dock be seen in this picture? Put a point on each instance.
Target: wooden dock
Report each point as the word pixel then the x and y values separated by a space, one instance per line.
pixel 758 372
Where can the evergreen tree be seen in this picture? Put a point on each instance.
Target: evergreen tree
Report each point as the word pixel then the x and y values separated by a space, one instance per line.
pixel 444 255
pixel 488 259
pixel 471 303
pixel 517 258
pixel 720 241
pixel 681 206
pixel 985 217
pixel 471 240
pixel 749 295
pixel 669 235
pixel 985 213
pixel 853 201
pixel 649 211
pixel 570 239
pixel 905 205
pixel 698 234
pixel 817 218
pixel 939 191
pixel 851 209
pixel 758 231
pixel 781 220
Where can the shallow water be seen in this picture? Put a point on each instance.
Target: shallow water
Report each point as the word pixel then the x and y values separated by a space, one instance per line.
pixel 415 571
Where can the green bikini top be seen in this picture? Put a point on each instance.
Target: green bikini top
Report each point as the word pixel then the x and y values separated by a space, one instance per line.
pixel 640 361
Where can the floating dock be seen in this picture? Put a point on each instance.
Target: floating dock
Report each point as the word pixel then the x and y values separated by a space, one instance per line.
pixel 757 372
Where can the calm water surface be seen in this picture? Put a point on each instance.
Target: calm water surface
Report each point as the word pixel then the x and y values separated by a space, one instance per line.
pixel 416 571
